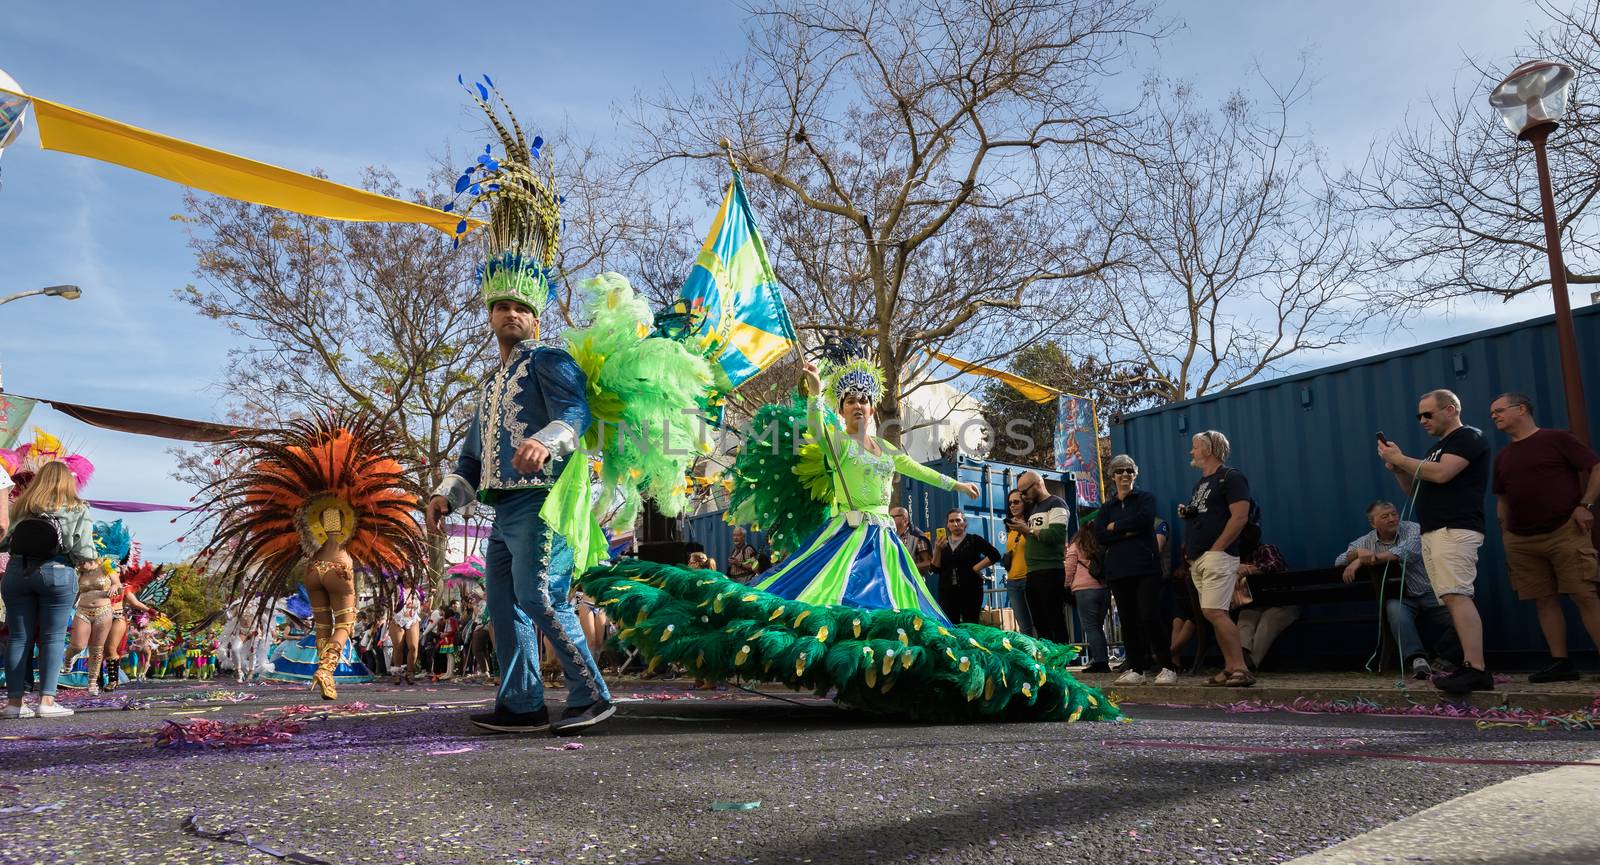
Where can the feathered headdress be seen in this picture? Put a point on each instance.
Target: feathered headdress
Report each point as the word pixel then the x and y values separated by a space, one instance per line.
pixel 519 190
pixel 270 517
pixel 113 542
pixel 847 369
pixel 24 462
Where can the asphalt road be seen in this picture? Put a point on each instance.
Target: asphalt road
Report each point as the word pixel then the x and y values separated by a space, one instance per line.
pixel 405 780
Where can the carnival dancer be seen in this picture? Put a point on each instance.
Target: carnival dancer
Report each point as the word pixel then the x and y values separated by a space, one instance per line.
pixel 323 499
pixel 848 611
pixel 532 412
pixel 405 635
pixel 861 470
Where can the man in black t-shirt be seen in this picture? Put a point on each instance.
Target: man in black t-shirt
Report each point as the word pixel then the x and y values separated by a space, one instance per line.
pixel 1217 512
pixel 1449 484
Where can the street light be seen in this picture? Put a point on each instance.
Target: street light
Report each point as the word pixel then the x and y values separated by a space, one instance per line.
pixel 65 292
pixel 1531 101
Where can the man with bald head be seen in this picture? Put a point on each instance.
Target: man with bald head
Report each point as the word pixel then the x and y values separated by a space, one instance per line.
pixel 1044 524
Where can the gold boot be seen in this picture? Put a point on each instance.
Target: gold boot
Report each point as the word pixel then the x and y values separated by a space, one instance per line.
pixel 97 656
pixel 327 658
pixel 327 661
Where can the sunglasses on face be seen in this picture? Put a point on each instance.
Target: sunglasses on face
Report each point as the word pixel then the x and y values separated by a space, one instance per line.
pixel 1424 415
pixel 1122 471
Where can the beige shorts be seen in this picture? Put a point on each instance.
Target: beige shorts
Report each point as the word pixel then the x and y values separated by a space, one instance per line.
pixel 1214 575
pixel 1558 562
pixel 1451 557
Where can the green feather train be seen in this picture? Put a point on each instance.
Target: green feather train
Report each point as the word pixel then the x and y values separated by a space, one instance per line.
pixel 884 661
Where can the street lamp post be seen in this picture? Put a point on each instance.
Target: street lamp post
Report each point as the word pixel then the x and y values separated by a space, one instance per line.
pixel 65 292
pixel 1531 101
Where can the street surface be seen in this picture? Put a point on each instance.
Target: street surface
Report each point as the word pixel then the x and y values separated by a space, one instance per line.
pixel 396 775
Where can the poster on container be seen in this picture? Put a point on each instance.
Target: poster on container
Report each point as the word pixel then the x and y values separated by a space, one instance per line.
pixel 1078 446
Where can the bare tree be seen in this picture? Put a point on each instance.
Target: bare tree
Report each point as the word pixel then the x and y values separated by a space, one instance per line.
pixel 1240 255
pixel 919 165
pixel 1458 196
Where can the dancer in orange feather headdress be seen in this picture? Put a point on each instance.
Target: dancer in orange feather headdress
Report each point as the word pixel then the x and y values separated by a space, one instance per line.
pixel 321 499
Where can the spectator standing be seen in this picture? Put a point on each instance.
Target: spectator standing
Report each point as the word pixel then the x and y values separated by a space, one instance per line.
pixel 40 582
pixel 1259 626
pixel 743 560
pixel 960 559
pixel 1449 484
pixel 1043 527
pixel 1127 531
pixel 1085 562
pixel 1016 563
pixel 1217 513
pixel 1545 487
pixel 1396 543
pixel 921 548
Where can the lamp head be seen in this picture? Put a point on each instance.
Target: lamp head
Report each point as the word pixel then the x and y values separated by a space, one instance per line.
pixel 1533 95
pixel 65 292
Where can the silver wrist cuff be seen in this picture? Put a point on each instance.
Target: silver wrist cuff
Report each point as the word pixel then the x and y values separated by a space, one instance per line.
pixel 558 437
pixel 457 490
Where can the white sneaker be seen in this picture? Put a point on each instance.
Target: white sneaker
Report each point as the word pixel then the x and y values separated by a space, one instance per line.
pixel 1167 676
pixel 54 710
pixel 1132 677
pixel 11 711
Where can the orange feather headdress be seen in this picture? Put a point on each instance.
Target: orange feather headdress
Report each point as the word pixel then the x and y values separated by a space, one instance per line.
pixel 269 518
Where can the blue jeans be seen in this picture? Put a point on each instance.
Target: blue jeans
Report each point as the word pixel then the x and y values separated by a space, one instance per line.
pixel 528 574
pixel 1017 599
pixel 39 607
pixel 1092 606
pixel 1403 614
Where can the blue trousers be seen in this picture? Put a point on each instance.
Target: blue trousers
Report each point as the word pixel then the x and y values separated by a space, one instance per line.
pixel 39 608
pixel 528 574
pixel 1093 604
pixel 1017 598
pixel 1403 614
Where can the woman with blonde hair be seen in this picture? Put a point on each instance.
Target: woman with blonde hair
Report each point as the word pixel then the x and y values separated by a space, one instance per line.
pixel 50 537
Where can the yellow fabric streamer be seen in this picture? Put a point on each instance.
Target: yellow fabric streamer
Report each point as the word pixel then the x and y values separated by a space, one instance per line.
pixel 1039 393
pixel 70 130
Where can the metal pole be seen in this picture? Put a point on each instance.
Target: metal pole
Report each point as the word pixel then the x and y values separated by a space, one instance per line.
pixel 1566 336
pixel 21 294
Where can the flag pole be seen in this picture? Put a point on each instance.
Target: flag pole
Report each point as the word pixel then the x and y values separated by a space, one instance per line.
pixel 727 147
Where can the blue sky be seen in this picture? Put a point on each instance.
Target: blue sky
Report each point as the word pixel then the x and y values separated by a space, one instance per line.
pixel 333 86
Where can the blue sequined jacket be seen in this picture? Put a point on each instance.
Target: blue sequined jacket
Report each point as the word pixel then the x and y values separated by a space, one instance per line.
pixel 539 393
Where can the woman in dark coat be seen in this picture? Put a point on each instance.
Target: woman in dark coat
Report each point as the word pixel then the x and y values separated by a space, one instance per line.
pixel 1127 530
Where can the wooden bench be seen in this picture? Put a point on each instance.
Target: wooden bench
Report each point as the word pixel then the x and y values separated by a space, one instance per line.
pixel 1315 586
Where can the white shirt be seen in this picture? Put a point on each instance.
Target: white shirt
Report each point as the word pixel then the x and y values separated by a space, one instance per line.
pixel 5 480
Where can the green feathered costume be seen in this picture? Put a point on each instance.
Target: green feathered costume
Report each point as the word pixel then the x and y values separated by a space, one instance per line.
pixel 880 643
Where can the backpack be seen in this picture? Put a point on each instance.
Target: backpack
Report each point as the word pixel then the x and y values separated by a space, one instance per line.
pixel 36 537
pixel 1250 535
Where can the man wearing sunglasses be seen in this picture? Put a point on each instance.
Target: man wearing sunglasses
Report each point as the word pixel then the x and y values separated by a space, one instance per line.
pixel 1449 484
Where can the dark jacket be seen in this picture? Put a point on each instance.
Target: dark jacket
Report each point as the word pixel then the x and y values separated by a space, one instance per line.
pixel 1131 550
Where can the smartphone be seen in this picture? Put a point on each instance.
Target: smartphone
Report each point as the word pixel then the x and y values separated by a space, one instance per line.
pixel 1382 439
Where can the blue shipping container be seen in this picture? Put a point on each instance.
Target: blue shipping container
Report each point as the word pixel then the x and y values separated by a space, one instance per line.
pixel 1307 444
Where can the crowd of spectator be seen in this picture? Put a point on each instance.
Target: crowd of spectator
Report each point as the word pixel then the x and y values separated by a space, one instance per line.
pixel 1545 489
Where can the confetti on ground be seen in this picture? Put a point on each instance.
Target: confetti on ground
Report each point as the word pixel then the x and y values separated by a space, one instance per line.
pixel 570 746
pixel 736 806
pixel 1491 718
pixel 461 750
pixel 206 733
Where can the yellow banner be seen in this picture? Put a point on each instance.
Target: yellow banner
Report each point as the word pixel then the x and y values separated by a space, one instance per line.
pixel 69 130
pixel 1039 393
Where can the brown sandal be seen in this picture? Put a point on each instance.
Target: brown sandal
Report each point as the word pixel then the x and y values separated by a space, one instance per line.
pixel 1240 679
pixel 1217 681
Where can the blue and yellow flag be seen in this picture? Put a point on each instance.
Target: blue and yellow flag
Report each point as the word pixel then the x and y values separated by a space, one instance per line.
pixel 732 312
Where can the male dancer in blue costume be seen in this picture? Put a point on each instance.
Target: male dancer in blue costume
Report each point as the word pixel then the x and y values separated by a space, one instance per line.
pixel 531 415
